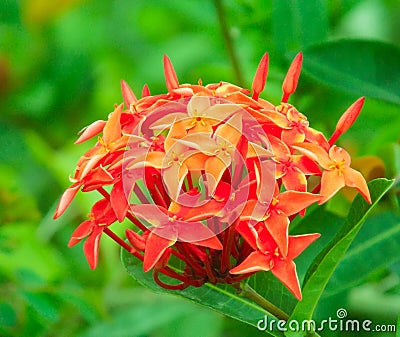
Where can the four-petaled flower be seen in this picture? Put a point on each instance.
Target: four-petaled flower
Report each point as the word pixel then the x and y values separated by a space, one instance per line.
pixel 337 171
pixel 268 256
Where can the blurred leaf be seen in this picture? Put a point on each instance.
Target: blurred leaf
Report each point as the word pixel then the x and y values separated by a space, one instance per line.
pixel 378 242
pixel 141 319
pixel 43 305
pixel 40 12
pixel 9 12
pixel 325 263
pixel 199 322
pixel 8 316
pixel 16 203
pixel 297 24
pixel 20 251
pixel 367 68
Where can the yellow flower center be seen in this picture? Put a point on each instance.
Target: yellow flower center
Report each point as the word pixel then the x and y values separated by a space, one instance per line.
pixel 102 143
pixel 224 147
pixel 198 119
pixel 175 158
pixel 339 166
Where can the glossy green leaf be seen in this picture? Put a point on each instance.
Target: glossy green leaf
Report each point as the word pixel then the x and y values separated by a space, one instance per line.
pixel 297 24
pixel 364 68
pixel 325 263
pixel 378 243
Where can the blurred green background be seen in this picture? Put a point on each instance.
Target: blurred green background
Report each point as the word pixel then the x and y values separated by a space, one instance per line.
pixel 60 66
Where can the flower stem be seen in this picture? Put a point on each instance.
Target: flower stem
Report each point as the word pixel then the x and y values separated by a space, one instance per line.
pixel 248 292
pixel 122 243
pixel 219 6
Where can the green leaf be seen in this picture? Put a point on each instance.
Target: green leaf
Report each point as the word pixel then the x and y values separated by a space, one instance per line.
pixel 8 316
pixel 325 263
pixel 378 242
pixel 139 320
pixel 398 328
pixel 287 18
pixel 222 298
pixel 364 68
pixel 43 305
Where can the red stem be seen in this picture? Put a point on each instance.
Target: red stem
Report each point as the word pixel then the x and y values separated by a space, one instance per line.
pixel 104 193
pixel 189 260
pixel 239 278
pixel 210 272
pixel 139 193
pixel 164 195
pixel 179 286
pixel 122 243
pixel 226 252
pixel 136 222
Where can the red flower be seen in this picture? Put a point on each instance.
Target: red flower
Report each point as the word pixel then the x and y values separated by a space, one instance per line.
pixel 267 255
pixel 101 217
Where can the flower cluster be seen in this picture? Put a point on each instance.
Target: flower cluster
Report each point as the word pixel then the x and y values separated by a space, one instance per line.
pixel 209 178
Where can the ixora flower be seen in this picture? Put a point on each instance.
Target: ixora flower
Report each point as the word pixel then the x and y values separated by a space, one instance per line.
pixel 210 178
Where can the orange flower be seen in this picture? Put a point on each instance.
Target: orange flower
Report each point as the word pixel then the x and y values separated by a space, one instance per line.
pixel 337 171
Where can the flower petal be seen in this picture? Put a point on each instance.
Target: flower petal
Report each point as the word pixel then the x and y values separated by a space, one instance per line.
pixel 118 200
pixel 66 199
pixel 231 130
pixel 331 182
pixel 91 246
pixel 277 225
pixel 355 179
pixel 154 214
pixel 248 233
pixel 197 233
pixel 339 154
pixel 295 180
pixel 215 168
pixel 155 248
pixel 90 131
pixel 314 152
pixel 297 244
pixel 254 262
pixel 112 129
pixel 292 202
pixel 285 271
pixel 83 230
pixel 198 105
pixel 173 177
